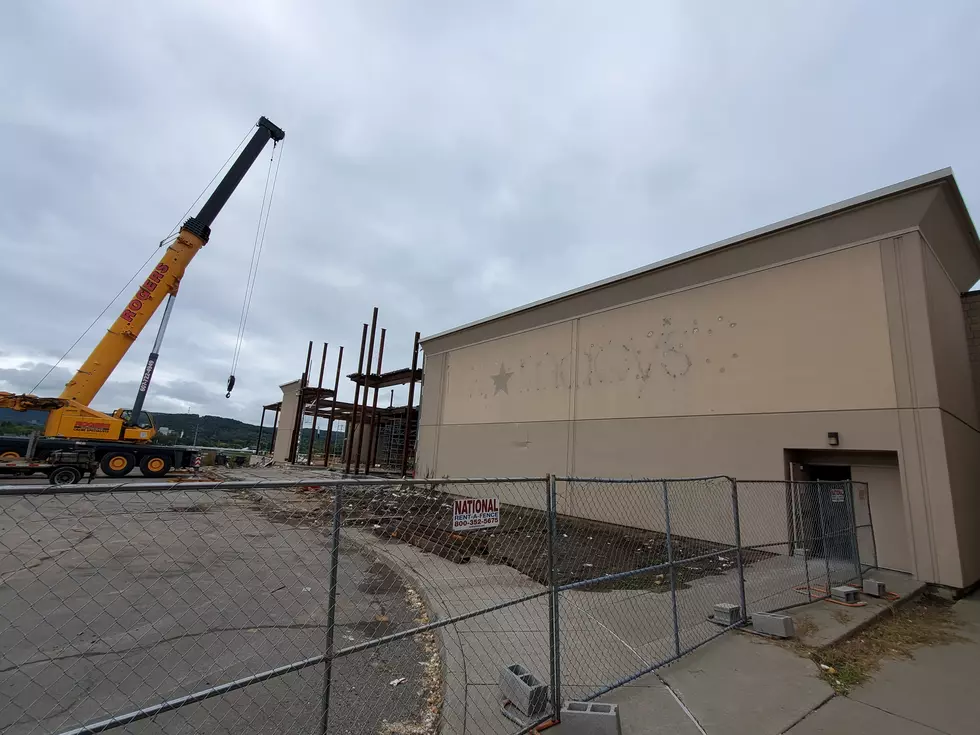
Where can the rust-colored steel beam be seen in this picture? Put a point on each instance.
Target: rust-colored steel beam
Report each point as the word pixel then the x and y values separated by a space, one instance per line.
pixel 367 371
pixel 316 405
pixel 369 462
pixel 298 422
pixel 349 444
pixel 333 410
pixel 408 408
pixel 258 442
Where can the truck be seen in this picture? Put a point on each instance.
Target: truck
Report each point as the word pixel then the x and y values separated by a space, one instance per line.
pixel 122 440
pixel 60 466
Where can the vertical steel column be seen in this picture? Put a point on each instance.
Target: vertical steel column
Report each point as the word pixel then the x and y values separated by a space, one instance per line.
pixel 300 407
pixel 823 537
pixel 258 442
pixel 369 462
pixel 331 607
pixel 349 443
pixel 554 627
pixel 738 546
pixel 411 400
pixel 852 516
pixel 391 398
pixel 367 371
pixel 673 575
pixel 333 409
pixel 316 405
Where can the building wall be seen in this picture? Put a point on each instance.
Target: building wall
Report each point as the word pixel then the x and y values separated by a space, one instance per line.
pixel 287 421
pixel 891 531
pixel 971 322
pixel 947 327
pixel 866 340
pixel 715 379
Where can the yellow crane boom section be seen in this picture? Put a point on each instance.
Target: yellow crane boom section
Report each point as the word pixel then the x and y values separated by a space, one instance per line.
pixel 162 281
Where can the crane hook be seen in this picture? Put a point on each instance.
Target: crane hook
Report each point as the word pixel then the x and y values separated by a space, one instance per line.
pixel 231 386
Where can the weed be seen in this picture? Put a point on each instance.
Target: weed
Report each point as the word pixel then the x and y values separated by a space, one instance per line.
pixel 927 621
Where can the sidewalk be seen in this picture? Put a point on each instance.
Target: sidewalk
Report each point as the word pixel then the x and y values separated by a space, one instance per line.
pixel 742 685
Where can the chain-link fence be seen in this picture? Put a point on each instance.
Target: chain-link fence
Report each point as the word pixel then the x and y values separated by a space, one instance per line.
pixel 813 536
pixel 385 606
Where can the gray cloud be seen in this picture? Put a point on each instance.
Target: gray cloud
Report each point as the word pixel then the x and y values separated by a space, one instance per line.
pixel 443 160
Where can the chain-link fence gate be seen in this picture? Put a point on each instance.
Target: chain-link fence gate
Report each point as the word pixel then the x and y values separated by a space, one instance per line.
pixel 386 606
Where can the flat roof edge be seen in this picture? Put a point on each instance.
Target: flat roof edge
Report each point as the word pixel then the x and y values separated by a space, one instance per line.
pixel 901 187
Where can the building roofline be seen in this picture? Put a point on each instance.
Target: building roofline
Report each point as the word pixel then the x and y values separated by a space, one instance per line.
pixel 941 175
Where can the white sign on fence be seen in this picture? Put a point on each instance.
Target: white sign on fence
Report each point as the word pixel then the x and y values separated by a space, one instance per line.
pixel 471 513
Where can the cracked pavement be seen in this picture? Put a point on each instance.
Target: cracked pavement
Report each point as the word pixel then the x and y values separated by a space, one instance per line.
pixel 112 602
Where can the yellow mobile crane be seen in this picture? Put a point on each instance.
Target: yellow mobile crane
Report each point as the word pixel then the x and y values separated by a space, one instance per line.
pixel 121 440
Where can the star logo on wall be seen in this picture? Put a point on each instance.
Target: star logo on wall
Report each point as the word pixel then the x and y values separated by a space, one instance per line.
pixel 500 380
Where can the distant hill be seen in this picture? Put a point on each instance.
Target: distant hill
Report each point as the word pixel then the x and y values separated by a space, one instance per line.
pixel 216 431
pixel 212 431
pixel 10 416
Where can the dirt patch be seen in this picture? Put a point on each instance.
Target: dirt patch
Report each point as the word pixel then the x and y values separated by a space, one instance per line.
pixel 583 549
pixel 926 621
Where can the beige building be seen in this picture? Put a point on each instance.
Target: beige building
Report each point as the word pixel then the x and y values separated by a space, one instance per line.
pixel 744 358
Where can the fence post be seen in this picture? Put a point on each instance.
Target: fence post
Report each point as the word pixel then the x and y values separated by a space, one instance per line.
pixel 673 576
pixel 738 547
pixel 871 526
pixel 331 607
pixel 823 537
pixel 852 516
pixel 554 631
pixel 806 550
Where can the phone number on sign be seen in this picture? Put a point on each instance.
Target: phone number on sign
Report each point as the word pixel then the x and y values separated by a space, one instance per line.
pixel 488 519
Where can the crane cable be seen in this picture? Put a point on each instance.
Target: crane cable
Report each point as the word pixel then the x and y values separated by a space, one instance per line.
pixel 253 269
pixel 165 241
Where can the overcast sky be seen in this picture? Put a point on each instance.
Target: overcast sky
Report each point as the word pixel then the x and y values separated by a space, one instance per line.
pixel 443 160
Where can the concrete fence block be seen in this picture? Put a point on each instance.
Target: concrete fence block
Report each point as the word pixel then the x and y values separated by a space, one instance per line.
pixel 844 593
pixel 874 588
pixel 774 624
pixel 590 718
pixel 524 691
pixel 726 613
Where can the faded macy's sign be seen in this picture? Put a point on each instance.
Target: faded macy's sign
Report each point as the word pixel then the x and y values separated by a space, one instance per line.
pixel 145 293
pixel 471 513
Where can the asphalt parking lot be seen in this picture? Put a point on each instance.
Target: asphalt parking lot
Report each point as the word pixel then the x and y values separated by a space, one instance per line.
pixel 110 602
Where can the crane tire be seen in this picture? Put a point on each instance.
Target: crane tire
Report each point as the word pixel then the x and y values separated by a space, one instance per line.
pixel 155 465
pixel 117 464
pixel 64 476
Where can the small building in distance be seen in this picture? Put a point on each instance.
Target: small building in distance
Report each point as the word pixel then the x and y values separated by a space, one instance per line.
pixel 832 345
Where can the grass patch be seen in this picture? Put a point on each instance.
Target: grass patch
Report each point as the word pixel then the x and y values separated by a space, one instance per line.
pixel 927 621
